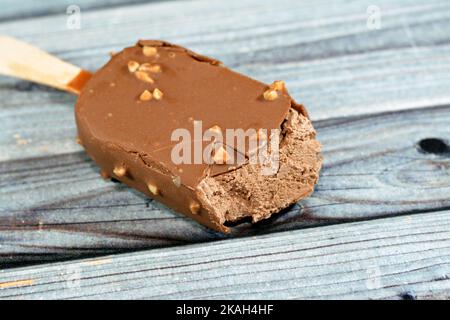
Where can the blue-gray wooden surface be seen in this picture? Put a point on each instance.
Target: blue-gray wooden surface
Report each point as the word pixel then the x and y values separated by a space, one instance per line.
pixel 374 96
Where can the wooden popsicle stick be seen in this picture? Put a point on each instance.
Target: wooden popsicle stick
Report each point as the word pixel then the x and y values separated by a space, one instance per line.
pixel 21 60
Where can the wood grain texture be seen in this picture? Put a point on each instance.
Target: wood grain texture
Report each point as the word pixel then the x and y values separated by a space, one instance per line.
pixel 17 10
pixel 381 259
pixel 59 207
pixel 330 60
pixel 373 95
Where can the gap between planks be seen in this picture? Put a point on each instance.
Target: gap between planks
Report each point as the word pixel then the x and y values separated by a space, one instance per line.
pixel 28 9
pixel 382 173
pixel 385 258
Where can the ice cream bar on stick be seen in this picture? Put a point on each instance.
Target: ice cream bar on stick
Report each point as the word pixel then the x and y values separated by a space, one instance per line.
pixel 185 130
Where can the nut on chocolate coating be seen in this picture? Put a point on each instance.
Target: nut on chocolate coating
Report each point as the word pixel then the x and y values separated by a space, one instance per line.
pixel 149 51
pixel 215 129
pixel 145 95
pixel 176 181
pixel 148 67
pixel 144 76
pixel 133 66
pixel 194 207
pixel 157 94
pixel 278 85
pixel 221 155
pixel 153 188
pixel 270 95
pixel 120 171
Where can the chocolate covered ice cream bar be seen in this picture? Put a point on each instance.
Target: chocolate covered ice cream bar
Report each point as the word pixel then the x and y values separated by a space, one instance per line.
pixel 204 140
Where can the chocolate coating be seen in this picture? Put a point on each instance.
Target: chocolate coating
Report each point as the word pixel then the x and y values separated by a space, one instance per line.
pixel 128 134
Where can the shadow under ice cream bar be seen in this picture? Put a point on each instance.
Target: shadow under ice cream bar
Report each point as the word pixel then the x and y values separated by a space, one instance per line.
pixel 130 108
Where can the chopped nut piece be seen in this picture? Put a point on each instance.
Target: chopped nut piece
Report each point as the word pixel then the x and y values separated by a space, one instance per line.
pixel 141 75
pixel 133 66
pixel 153 189
pixel 120 171
pixel 157 94
pixel 270 95
pixel 215 129
pixel 220 156
pixel 176 181
pixel 147 67
pixel 149 51
pixel 144 67
pixel 145 96
pixel 278 85
pixel 194 207
pixel 155 68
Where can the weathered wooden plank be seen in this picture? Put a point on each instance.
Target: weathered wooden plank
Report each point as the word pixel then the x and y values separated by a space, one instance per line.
pixel 373 167
pixel 386 258
pixel 15 10
pixel 331 61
